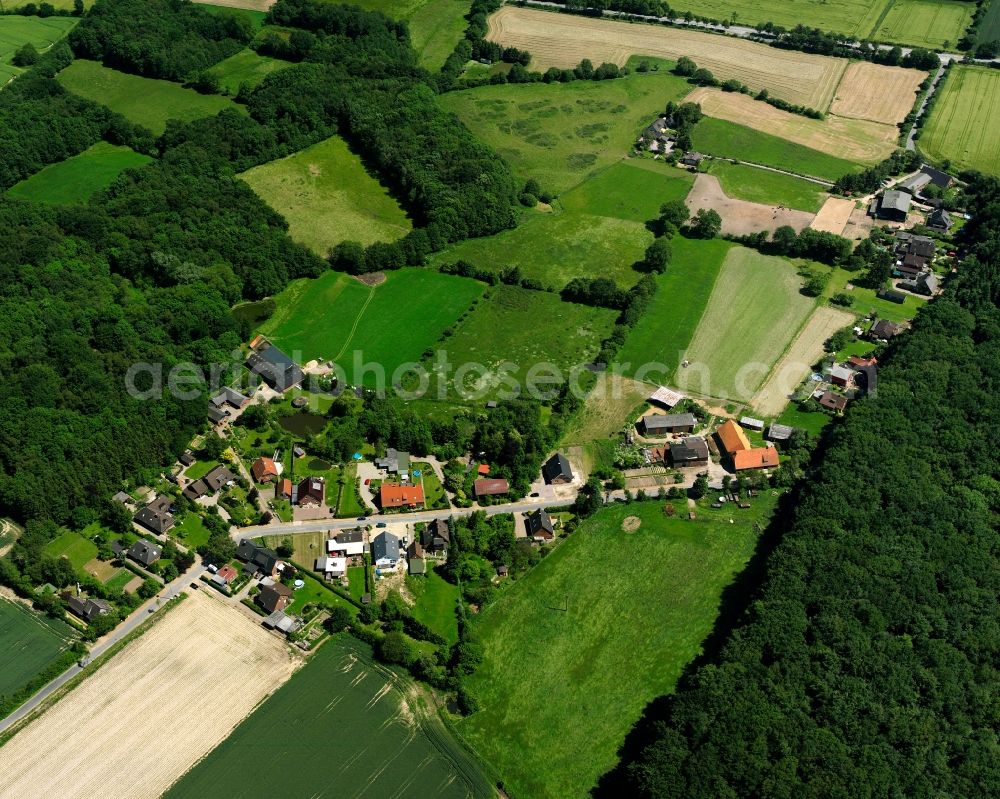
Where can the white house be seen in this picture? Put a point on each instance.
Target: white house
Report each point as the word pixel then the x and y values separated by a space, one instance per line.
pixel 346 549
pixel 332 568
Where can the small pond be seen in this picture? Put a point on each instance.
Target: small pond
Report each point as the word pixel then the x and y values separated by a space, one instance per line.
pixel 304 424
pixel 320 465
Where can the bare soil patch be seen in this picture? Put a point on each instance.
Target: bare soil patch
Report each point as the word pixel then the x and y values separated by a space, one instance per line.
pixel 833 216
pixel 852 139
pixel 877 93
pixel 631 523
pixel 794 366
pixel 740 217
pixel 152 711
pixel 371 278
pixel 563 40
pixel 859 225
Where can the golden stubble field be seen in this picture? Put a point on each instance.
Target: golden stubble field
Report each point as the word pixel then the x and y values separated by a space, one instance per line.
pixel 563 40
pixel 877 93
pixel 150 713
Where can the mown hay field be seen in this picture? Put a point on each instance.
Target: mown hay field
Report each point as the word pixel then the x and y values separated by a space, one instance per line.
pixel 561 133
pixel 854 18
pixel 151 712
pixel 755 311
pixel 573 651
pixel 328 197
pixel 877 93
pixel 74 180
pixel 145 101
pixel 963 124
pixel 29 642
pixel 342 726
pixel 937 24
pixel 563 40
pixel 853 140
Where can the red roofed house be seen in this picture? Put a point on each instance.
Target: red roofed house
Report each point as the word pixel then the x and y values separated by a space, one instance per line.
pixel 226 574
pixel 264 470
pixel 484 469
pixel 757 458
pixel 731 437
pixel 491 488
pixel 283 489
pixel 400 496
pixel 856 360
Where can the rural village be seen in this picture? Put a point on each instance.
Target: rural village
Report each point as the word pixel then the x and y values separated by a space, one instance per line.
pixel 714 224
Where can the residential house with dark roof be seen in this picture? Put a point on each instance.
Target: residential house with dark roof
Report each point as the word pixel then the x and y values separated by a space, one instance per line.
pixel 218 478
pixel 275 368
pixel 274 597
pixel 538 526
pixel 395 462
pixel 557 470
pixel 692 159
pixel 264 470
pixel 231 397
pixel 258 558
pixel 938 178
pixel 939 219
pixel 187 459
pixel 883 330
pixel 833 402
pixel 156 516
pixel 436 537
pixel 196 489
pixel 415 558
pixel 400 496
pixel 491 487
pixel 385 551
pixel 893 205
pixel 689 451
pixel 915 183
pixel 659 424
pixel 310 493
pixel 88 609
pixel 216 415
pixel 779 432
pixel 145 552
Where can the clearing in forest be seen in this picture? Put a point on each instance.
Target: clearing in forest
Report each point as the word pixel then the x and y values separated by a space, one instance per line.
pixel 152 711
pixel 563 40
pixel 74 180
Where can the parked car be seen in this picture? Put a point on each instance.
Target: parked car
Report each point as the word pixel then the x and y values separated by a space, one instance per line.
pixel 381 524
pixel 533 494
pixel 362 518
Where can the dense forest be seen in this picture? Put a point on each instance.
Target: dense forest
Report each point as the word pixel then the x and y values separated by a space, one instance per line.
pixel 866 666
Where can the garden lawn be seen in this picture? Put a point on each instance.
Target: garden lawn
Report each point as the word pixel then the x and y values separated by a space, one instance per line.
pixel 74 180
pixel 306 547
pixel 79 551
pixel 755 311
pixel 336 317
pixel 145 101
pixel 561 133
pixel 511 329
pixel 119 580
pixel 436 601
pixel 813 422
pixel 356 581
pixel 936 24
pixel 199 469
pixel 29 642
pixel 328 197
pixel 631 190
pixel 434 495
pixel 245 67
pixel 770 188
pixel 728 140
pixel 574 651
pixel 866 301
pixel 315 593
pixel 669 323
pixel 192 531
pixel 963 123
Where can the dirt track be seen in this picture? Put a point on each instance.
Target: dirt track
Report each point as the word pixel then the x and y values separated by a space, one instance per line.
pixel 149 714
pixel 740 217
pixel 795 365
pixel 833 216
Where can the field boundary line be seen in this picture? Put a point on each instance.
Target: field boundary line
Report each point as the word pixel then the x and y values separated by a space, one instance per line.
pixel 881 19
pixel 357 321
pixel 715 284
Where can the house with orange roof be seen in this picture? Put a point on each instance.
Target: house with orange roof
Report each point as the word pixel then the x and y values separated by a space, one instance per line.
pixel 392 496
pixel 283 489
pixel 736 446
pixel 264 470
pixel 731 437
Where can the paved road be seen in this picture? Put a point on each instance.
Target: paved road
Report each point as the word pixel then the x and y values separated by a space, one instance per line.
pixel 291 528
pixel 121 631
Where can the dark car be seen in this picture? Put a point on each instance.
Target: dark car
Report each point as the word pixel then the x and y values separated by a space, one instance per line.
pixel 381 524
pixel 535 494
pixel 362 518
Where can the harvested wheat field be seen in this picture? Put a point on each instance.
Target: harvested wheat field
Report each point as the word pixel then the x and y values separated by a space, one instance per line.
pixel 796 364
pixel 852 139
pixel 877 93
pixel 740 217
pixel 563 40
pixel 833 216
pixel 152 711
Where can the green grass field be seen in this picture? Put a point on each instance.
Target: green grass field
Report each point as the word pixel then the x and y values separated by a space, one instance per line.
pixel 515 326
pixel 392 324
pixel 28 643
pixel 17 31
pixel 145 101
pixel 937 24
pixel 866 301
pixel 989 26
pixel 963 123
pixel 632 190
pixel 435 602
pixel 74 547
pixel 192 531
pixel 561 133
pixel 119 580
pixel 670 322
pixel 246 67
pixel 341 726
pixel 728 140
pixel 436 26
pixel 851 17
pixel 328 197
pixel 575 650
pixel 770 188
pixel 755 311
pixel 74 180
